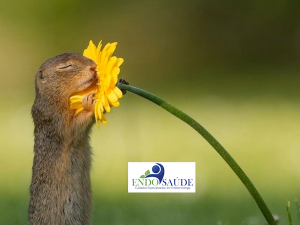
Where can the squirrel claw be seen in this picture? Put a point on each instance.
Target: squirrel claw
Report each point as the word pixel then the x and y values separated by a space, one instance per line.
pixel 88 102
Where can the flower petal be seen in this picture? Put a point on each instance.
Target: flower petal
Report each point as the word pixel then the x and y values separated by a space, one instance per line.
pixel 99 49
pixel 119 62
pixel 110 64
pixel 115 71
pixel 115 104
pixel 76 105
pixel 112 97
pixel 111 48
pixel 106 104
pixel 118 92
pixel 103 120
pixel 76 98
pixel 78 111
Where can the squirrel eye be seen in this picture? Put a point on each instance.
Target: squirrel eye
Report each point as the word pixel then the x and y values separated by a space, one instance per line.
pixel 61 67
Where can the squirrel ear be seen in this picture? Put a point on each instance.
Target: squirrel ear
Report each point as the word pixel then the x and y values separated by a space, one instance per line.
pixel 41 76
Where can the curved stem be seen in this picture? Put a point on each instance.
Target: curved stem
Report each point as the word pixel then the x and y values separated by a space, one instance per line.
pixel 212 141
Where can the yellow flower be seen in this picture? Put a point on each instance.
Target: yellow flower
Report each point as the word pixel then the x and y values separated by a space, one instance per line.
pixel 106 92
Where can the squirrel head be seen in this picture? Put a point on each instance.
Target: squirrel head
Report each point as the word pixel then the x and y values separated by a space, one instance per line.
pixel 60 77
pixel 56 80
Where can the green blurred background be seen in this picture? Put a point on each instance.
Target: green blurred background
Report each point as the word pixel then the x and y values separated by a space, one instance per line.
pixel 233 66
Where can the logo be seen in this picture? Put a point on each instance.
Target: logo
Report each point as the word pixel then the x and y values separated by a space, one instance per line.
pixel 166 177
pixel 158 171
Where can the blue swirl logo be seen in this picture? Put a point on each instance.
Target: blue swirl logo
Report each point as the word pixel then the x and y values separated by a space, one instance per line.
pixel 158 172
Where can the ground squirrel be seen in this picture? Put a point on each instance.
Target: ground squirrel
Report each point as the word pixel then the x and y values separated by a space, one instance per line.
pixel 60 191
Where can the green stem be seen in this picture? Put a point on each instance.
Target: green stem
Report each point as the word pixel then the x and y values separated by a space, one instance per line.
pixel 212 141
pixel 288 209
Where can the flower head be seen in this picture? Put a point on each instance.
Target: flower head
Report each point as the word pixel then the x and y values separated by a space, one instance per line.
pixel 106 92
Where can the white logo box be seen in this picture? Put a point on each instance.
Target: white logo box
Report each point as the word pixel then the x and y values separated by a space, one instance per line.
pixel 146 177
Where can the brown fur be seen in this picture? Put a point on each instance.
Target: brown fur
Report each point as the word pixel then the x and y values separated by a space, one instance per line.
pixel 60 191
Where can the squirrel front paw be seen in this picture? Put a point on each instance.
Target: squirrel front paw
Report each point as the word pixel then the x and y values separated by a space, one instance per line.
pixel 88 102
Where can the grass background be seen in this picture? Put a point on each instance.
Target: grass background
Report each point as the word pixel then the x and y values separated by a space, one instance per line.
pixel 233 66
